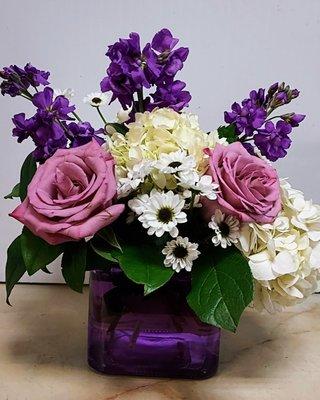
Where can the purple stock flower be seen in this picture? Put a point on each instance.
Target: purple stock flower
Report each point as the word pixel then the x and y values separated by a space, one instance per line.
pixel 171 95
pixel 126 73
pixel 170 60
pixel 163 41
pixel 252 122
pixel 24 127
pixel 17 80
pixel 47 127
pixel 47 137
pixel 50 108
pixel 273 141
pixel 82 133
pixel 247 118
pixel 132 69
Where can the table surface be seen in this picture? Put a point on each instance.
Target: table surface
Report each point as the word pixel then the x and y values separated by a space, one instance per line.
pixel 43 355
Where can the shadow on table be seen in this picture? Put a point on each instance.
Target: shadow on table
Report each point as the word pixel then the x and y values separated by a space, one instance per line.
pixel 51 328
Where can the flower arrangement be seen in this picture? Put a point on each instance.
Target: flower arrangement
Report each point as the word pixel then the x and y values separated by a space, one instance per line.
pixel 155 194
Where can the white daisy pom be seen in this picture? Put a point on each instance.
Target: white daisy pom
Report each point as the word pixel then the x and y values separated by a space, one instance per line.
pixel 97 99
pixel 226 228
pixel 134 177
pixel 174 162
pixel 180 254
pixel 203 185
pixel 160 212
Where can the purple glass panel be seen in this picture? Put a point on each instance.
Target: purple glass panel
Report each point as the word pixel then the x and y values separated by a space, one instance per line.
pixel 154 335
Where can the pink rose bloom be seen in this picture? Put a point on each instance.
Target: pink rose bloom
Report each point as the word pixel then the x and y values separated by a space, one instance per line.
pixel 71 195
pixel 249 188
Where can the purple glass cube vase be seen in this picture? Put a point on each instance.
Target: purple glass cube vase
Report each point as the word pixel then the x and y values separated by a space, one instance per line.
pixel 154 335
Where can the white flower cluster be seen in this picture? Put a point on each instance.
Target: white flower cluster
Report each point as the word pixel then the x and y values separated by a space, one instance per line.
pixel 157 134
pixel 284 257
pixel 176 167
pixel 161 165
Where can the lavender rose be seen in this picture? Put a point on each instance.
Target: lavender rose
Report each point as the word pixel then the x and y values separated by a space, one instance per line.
pixel 249 187
pixel 71 195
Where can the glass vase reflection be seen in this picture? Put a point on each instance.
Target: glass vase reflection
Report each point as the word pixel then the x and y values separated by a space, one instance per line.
pixel 154 335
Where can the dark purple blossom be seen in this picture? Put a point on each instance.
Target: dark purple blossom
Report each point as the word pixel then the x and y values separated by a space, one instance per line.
pixel 273 141
pixel 47 137
pixel 163 41
pixel 82 133
pixel 24 127
pixel 17 80
pixel 126 73
pixel 170 60
pixel 246 117
pixel 132 69
pixel 252 120
pixel 47 127
pixel 50 108
pixel 171 95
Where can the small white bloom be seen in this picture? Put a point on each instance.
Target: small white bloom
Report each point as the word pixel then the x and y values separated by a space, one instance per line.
pixel 123 115
pixel 139 203
pixel 174 162
pixel 226 228
pixel 97 99
pixel 134 177
pixel 203 185
pixel 206 187
pixel 67 93
pixel 180 254
pixel 188 179
pixel 160 212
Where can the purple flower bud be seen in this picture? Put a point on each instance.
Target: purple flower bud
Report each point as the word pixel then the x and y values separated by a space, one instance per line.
pixel 293 119
pixel 17 80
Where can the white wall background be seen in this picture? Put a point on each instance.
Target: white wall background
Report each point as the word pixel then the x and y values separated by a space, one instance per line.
pixel 235 46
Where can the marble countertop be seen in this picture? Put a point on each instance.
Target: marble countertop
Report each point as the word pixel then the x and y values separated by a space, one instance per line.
pixel 43 355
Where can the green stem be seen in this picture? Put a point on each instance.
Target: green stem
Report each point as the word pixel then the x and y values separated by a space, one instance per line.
pixel 276 116
pixel 25 97
pixel 76 116
pixel 102 117
pixel 140 100
pixel 28 93
pixel 62 126
pixel 192 200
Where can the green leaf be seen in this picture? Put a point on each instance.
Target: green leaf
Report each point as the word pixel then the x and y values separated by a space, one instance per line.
pixel 109 236
pixel 36 252
pixel 228 132
pixel 15 267
pixel 95 261
pixel 15 192
pixel 74 264
pixel 222 287
pixel 28 169
pixel 105 253
pixel 120 128
pixel 144 266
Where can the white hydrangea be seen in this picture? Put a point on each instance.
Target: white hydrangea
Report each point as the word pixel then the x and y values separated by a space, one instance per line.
pixel 157 133
pixel 284 256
